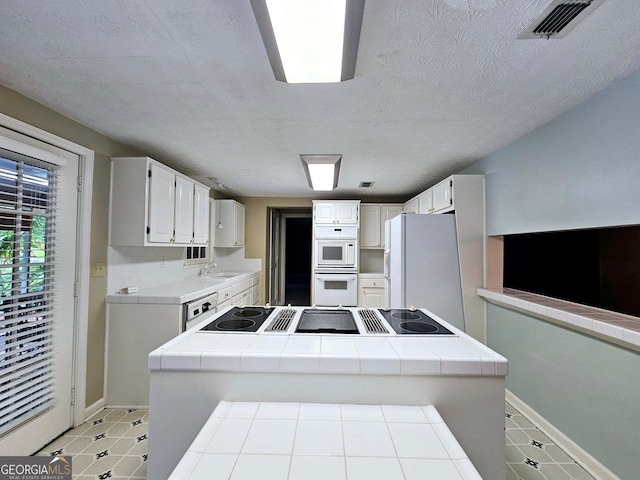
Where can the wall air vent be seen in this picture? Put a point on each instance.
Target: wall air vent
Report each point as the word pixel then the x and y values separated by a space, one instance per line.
pixel 366 184
pixel 560 18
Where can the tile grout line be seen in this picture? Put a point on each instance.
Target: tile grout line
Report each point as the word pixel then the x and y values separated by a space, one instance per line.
pixel 516 424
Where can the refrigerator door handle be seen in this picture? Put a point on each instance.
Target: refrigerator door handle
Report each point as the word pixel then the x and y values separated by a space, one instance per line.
pixel 387 254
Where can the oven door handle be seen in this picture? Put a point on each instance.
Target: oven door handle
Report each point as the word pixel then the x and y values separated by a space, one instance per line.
pixel 347 277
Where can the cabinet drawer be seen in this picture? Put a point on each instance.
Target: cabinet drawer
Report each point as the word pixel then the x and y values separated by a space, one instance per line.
pixel 372 282
pixel 255 280
pixel 242 286
pixel 225 294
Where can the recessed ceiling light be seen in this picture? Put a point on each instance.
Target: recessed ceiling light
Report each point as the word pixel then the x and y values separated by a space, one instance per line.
pixel 310 41
pixel 321 171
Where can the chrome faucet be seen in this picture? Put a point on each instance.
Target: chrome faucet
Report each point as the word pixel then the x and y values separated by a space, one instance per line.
pixel 208 268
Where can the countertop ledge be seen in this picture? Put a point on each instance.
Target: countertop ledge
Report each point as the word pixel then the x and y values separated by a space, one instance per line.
pixel 615 327
pixel 329 353
pixel 182 291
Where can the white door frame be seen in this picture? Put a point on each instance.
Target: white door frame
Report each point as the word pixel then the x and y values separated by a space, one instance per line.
pixel 283 249
pixel 83 267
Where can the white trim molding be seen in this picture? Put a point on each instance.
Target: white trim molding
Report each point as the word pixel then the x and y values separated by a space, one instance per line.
pixel 83 263
pixel 581 456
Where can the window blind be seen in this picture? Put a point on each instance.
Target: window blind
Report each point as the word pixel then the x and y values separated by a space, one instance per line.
pixel 27 221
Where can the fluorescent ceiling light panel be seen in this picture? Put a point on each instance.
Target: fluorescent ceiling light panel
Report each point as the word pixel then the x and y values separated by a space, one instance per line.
pixel 310 41
pixel 321 171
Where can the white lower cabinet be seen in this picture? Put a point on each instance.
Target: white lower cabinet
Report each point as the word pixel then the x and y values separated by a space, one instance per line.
pixel 246 292
pixel 371 291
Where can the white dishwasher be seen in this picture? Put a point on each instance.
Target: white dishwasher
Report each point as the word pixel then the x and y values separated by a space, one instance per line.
pixel 136 329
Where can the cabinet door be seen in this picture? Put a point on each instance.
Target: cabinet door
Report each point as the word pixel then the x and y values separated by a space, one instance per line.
pixel 324 212
pixel 200 215
pixel 161 204
pixel 443 195
pixel 425 202
pixel 347 213
pixel 238 212
pixel 387 212
pixel 412 206
pixel 183 225
pixel 372 297
pixel 370 232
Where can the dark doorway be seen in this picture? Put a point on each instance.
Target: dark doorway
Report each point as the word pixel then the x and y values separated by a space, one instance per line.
pixel 596 267
pixel 297 259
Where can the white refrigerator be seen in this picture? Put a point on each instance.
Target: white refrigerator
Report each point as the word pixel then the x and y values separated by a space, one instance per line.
pixel 422 267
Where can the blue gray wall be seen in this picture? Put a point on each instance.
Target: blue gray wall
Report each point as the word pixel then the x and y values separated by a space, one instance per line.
pixel 580 170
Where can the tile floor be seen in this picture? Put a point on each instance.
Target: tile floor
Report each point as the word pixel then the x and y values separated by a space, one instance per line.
pixel 113 445
pixel 531 455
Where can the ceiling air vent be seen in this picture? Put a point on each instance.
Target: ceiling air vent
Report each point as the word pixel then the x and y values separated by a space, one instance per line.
pixel 366 184
pixel 560 18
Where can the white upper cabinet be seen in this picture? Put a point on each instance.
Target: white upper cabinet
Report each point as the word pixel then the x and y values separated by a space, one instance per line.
pixel 153 205
pixel 372 219
pixel 387 212
pixel 200 214
pixel 425 201
pixel 230 218
pixel 344 212
pixel 437 199
pixel 161 199
pixel 412 206
pixel 443 195
pixel 370 236
pixel 183 227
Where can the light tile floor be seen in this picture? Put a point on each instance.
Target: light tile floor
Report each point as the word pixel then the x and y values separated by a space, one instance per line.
pixel 531 455
pixel 113 445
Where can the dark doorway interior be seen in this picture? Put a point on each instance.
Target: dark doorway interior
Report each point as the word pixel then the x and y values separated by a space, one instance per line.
pixel 297 282
pixel 598 267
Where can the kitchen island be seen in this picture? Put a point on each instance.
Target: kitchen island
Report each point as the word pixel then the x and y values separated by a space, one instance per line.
pixel 192 373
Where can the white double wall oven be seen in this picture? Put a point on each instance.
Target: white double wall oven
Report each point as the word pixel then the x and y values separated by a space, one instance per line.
pixel 335 278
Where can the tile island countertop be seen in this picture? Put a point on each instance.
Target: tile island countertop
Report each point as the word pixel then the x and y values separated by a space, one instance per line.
pixel 263 351
pixel 192 373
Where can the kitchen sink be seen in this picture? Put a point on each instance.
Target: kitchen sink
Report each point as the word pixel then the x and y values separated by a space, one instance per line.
pixel 226 274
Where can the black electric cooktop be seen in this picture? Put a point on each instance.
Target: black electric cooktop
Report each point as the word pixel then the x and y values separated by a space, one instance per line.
pixel 413 322
pixel 239 319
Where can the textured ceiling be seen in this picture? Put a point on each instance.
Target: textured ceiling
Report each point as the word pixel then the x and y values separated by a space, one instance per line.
pixel 438 85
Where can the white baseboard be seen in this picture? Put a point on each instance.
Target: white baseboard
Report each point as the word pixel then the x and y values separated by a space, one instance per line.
pixel 575 451
pixel 94 408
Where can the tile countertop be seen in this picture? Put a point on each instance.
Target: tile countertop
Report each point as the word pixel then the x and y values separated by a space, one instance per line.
pixel 182 291
pixel 249 440
pixel 614 327
pixel 329 353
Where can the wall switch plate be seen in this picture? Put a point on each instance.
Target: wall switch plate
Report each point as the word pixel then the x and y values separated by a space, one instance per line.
pixel 98 269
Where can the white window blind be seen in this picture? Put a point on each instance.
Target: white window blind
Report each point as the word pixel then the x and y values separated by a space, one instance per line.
pixel 27 206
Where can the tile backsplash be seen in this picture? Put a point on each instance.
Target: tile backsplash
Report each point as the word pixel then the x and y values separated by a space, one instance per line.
pixel 150 266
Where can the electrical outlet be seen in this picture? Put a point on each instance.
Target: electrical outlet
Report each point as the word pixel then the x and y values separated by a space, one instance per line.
pixel 98 269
